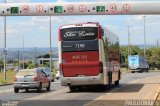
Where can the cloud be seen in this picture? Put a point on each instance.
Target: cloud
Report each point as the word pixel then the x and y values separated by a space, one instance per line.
pixel 61 1
pixel 152 25
pixel 139 19
pixel 36 28
pixel 111 27
pixel 18 1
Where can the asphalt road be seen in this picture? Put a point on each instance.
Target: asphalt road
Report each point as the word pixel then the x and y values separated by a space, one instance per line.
pixel 60 94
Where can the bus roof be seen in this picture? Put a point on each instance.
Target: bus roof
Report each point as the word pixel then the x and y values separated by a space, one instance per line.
pixel 88 24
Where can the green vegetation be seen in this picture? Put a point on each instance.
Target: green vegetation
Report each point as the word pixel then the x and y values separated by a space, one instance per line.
pixel 54 71
pixel 10 76
pixel 152 55
pixel 31 65
pixel 1 64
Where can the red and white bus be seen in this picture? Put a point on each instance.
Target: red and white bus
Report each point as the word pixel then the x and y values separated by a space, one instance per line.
pixel 88 55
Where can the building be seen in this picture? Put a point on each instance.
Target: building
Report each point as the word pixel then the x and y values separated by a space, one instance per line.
pixel 43 59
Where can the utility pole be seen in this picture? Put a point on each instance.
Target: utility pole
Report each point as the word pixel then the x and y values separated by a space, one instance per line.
pixel 23 51
pixel 129 52
pixel 144 38
pixel 50 43
pixel 35 54
pixel 5 46
pixel 157 42
pixel 18 60
pixel 1 55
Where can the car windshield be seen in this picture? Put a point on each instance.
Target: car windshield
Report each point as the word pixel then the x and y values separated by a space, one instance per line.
pixel 26 73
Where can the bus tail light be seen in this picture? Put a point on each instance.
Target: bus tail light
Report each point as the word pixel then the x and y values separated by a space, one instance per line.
pixel 100 67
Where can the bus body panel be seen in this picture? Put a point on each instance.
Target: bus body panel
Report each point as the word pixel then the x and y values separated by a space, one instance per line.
pixel 102 59
pixel 112 54
pixel 80 64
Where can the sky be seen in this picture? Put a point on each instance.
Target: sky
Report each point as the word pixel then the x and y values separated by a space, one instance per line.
pixel 35 29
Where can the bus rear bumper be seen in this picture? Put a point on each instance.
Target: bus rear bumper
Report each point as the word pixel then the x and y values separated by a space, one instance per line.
pixel 83 80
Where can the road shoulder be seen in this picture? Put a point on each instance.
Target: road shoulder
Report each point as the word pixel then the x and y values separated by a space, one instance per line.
pixel 142 89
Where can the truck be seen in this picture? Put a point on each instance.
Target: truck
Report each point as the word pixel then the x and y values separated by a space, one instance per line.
pixel 138 64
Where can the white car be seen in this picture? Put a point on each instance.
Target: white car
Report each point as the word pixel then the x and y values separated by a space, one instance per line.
pixel 31 79
pixel 57 75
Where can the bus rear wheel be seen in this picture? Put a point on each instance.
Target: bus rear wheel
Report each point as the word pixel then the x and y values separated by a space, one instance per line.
pixel 73 88
pixel 116 83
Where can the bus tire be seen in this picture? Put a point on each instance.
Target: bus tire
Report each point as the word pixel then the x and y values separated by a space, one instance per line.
pixel 103 88
pixel 73 88
pixel 116 83
pixel 119 75
pixel 109 80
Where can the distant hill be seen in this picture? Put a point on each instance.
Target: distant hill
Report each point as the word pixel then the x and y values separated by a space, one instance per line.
pixel 28 53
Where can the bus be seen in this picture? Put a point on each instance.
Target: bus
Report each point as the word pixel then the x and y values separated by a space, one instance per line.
pixel 88 55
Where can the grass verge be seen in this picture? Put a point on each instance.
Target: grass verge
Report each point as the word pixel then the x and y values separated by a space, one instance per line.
pixel 9 79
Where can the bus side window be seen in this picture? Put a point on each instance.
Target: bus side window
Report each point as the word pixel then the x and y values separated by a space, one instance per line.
pixel 102 31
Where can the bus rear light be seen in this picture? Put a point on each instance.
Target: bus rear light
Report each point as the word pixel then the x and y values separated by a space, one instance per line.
pixel 100 67
pixel 100 33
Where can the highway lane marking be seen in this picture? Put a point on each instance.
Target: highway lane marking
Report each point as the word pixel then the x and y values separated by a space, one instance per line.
pixel 155 96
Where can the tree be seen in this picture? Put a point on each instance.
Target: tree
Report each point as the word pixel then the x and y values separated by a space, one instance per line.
pixel 31 65
pixel 15 63
pixel 153 56
pixel 25 65
pixel 1 64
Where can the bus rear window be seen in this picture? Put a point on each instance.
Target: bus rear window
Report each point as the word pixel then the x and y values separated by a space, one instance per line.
pixel 79 33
